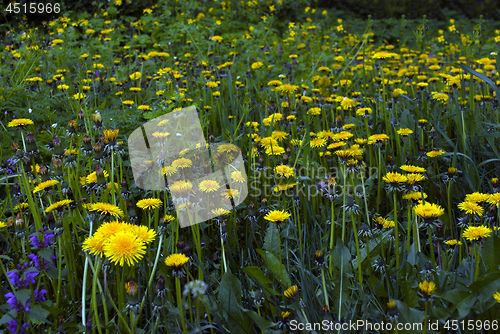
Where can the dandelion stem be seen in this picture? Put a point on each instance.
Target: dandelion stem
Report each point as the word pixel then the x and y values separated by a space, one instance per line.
pixel 179 303
pixel 358 253
pixel 84 287
pixel 158 251
pixel 476 274
pixel 396 230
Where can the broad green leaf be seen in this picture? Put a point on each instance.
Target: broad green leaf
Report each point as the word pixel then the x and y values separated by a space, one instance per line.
pixel 271 240
pixel 230 300
pixel 258 275
pixel 38 313
pixel 490 251
pixel 262 322
pixel 276 267
pixel 460 300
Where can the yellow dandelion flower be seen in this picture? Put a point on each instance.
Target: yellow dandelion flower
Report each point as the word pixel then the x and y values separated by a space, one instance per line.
pixel 435 153
pixel 168 219
pixel 277 216
pixel 182 163
pixel 169 170
pixel 471 208
pixel 209 186
pixel 149 203
pixel 394 178
pixel 496 295
pixel 476 232
pixel 20 122
pixel 45 185
pixel 108 229
pixel 453 242
pixel 284 171
pixel 428 210
pixel 415 196
pixel 237 177
pixel 176 261
pixel 124 248
pixel 58 205
pixel 477 197
pixel 427 288
pixel 404 132
pixel 144 233
pixel 413 178
pixel 318 142
pixel 94 245
pixel 412 169
pixel 494 199
pixel 181 188
pixel 135 75
pixel 291 292
pixel 21 206
pixel 106 208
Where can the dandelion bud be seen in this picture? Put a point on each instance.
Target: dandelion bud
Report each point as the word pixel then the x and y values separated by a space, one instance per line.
pixel 160 290
pixel 97 151
pixel 19 219
pixel 494 181
pixel 97 118
pixel 15 147
pixel 58 149
pixel 57 163
pixel 30 143
pixel 81 119
pixel 131 287
pixel 100 175
pixel 43 171
pixel 392 309
pixel 71 127
pixel 320 258
pixel 58 167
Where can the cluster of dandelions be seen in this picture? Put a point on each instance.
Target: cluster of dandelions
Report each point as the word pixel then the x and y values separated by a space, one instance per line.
pixel 122 243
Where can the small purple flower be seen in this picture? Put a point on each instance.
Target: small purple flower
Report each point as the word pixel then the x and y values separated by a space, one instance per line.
pixel 15 304
pixel 14 277
pixel 12 326
pixel 11 300
pixel 40 295
pixel 40 263
pixel 35 241
pixel 30 276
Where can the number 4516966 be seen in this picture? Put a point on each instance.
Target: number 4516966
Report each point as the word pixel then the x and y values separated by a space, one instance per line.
pixel 33 8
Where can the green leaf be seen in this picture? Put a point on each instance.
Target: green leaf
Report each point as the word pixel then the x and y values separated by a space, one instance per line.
pixel 276 267
pixel 230 300
pixel 258 275
pixel 22 295
pixel 409 314
pixel 482 77
pixel 39 314
pixel 491 249
pixel 460 300
pixel 12 314
pixel 262 322
pixel 271 240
